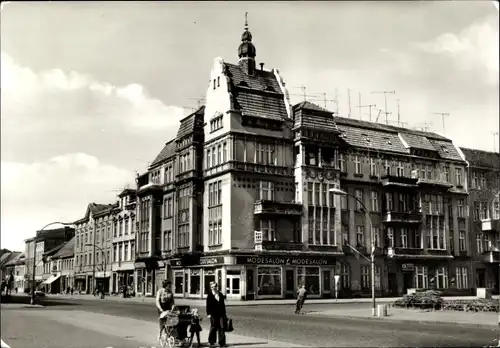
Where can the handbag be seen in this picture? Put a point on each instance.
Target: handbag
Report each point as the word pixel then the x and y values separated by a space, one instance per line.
pixel 229 325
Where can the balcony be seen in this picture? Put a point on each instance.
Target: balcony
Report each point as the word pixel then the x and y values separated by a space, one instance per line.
pixel 282 246
pixel 398 181
pixel 492 256
pixel 417 253
pixel 277 208
pixel 398 217
pixel 441 183
pixel 490 225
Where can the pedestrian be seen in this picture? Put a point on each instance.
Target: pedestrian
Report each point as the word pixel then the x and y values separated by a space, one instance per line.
pixel 164 302
pixel 195 328
pixel 216 312
pixel 302 294
pixel 71 291
pixel 16 289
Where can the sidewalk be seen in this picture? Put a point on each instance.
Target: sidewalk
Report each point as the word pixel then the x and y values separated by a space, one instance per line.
pixel 140 330
pixel 416 315
pixel 199 302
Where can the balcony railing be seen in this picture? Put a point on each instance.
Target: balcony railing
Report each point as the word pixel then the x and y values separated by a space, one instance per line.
pixel 401 181
pixel 398 252
pixel 278 245
pixel 436 183
pixel 406 217
pixel 490 225
pixel 492 256
pixel 277 208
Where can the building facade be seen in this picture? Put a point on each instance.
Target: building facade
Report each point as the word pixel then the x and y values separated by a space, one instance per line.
pixel 484 217
pixel 63 269
pixel 93 248
pixel 123 240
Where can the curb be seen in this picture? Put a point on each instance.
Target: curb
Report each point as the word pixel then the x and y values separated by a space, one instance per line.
pixel 407 321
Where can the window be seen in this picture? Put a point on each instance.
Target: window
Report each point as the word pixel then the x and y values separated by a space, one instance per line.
pixel 496 211
pixel 183 239
pixel 360 235
pixel 343 202
pixel 194 280
pixel 421 278
pixel 268 230
pixel 125 251
pixel 387 167
pixel 404 238
pixel 458 176
pixel 461 241
pixel 266 191
pixel 324 194
pixel 365 277
pixel 461 278
pixel 344 276
pixel 373 166
pixel 265 154
pixel 390 237
pixel 429 172
pixel 215 213
pixel 357 165
pixel 269 281
pixel 376 235
pixel 435 233
pixel 316 194
pixel 342 163
pixel 390 202
pixel 441 278
pixel 310 193
pixel 484 210
pixel 482 181
pixel 167 240
pixel 375 205
pixel 446 172
pixel 418 239
pixel 224 152
pixel 475 181
pixel 460 208
pixel 359 196
pixel 209 162
pixel 479 242
pixel 401 169
pixel 216 123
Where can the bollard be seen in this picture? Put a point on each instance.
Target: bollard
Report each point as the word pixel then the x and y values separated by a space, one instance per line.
pixel 382 310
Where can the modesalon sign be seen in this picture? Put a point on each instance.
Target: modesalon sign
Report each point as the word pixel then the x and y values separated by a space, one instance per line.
pixel 280 260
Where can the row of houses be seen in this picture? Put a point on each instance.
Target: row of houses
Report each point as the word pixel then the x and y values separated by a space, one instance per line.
pixel 243 196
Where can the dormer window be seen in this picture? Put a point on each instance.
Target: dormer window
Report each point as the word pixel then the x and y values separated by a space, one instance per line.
pixel 445 150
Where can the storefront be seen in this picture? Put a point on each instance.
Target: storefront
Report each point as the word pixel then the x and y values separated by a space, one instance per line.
pixel 148 276
pixel 80 283
pixel 252 277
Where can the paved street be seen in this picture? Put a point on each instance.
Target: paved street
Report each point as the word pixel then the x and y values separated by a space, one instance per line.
pixel 260 323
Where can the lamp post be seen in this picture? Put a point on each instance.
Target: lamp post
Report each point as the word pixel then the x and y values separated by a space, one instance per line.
pixel 340 192
pixel 34 256
pixel 103 254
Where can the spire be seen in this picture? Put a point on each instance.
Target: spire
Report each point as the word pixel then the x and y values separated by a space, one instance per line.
pixel 246 50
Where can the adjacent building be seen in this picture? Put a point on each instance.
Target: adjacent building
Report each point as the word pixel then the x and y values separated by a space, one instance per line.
pixel 123 241
pixel 484 216
pixel 93 247
pixel 63 269
pixel 12 270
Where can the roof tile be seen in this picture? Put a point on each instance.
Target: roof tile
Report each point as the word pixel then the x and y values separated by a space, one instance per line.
pixel 167 152
pixel 260 81
pixel 479 158
pixel 67 250
pixel 260 104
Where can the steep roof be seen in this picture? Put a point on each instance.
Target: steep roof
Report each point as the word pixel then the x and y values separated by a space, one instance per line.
pixel 261 80
pixel 188 124
pixel 165 153
pixel 14 258
pixel 309 115
pixel 257 95
pixel 54 250
pixel 66 250
pixel 480 158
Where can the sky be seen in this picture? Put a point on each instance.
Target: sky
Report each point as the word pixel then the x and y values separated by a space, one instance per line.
pixel 90 91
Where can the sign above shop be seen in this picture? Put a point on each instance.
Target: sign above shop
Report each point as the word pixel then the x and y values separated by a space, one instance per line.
pixel 212 260
pixel 285 260
pixel 203 261
pixel 407 267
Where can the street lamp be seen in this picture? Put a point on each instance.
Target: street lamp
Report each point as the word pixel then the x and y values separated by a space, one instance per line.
pixel 93 269
pixel 339 192
pixel 34 256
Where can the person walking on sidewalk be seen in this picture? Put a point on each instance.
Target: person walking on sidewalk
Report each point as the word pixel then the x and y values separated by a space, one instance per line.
pixel 302 294
pixel 195 328
pixel 164 302
pixel 216 312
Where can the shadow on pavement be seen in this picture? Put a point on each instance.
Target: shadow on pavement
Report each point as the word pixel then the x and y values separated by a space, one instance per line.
pixel 44 301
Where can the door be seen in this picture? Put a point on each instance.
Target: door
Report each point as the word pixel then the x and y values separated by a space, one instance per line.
pixel 481 278
pixel 327 282
pixel 407 281
pixel 250 284
pixel 289 284
pixel 233 286
pixel 392 283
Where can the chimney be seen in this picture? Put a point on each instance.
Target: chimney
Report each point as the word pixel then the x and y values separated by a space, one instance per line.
pixel 261 66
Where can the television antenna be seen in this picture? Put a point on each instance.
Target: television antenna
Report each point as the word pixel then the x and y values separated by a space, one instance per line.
pixel 495 135
pixel 385 102
pixel 199 100
pixel 370 106
pixel 379 112
pixel 443 115
pixel 349 98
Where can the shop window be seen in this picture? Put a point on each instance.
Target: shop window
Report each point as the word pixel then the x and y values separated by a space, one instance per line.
pixel 442 277
pixel 208 276
pixel 195 282
pixel 309 276
pixel 269 281
pixel 421 277
pixel 179 282
pixel 326 280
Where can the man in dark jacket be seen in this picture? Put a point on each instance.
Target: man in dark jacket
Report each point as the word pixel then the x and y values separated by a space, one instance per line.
pixel 216 312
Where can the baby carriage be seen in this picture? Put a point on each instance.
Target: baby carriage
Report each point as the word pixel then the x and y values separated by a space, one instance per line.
pixel 176 325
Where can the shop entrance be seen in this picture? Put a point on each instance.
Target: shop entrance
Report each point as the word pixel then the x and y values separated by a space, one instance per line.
pixel 233 286
pixel 289 283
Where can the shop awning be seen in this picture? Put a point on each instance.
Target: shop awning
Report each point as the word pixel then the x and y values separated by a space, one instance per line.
pixel 51 279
